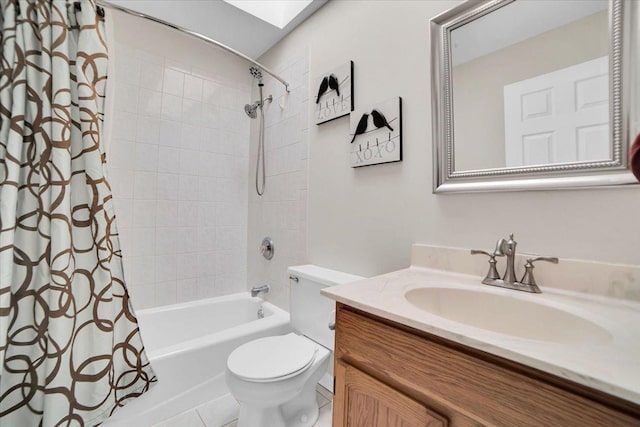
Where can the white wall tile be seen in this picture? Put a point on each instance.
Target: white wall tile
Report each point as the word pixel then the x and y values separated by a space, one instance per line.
pixel 281 212
pixel 166 293
pixel 171 107
pixel 167 159
pixel 191 137
pixel 181 144
pixel 206 287
pixel 144 241
pixel 189 162
pixel 212 92
pixel 187 266
pixel 192 112
pixel 168 185
pixel 128 95
pixel 121 155
pixel 124 212
pixel 180 66
pixel 187 290
pixel 142 270
pixel 146 157
pixel 206 241
pixel 207 189
pixel 170 132
pixel 167 213
pixel 207 264
pixel 187 240
pixel 121 181
pixel 151 76
pixel 187 213
pixel 142 296
pixel 144 213
pixel 166 267
pixel 127 69
pixel 144 187
pixel 148 130
pixel 206 214
pixel 193 87
pixel 124 125
pixel 188 189
pixel 166 241
pixel 150 103
pixel 211 116
pixel 173 82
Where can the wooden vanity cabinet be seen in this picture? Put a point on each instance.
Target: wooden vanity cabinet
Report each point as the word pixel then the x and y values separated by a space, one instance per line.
pixel 388 374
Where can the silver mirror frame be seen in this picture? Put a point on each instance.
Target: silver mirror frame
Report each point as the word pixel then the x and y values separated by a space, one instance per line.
pixel 612 172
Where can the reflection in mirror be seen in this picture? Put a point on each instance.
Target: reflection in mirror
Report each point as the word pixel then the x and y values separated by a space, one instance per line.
pixel 532 94
pixel 531 85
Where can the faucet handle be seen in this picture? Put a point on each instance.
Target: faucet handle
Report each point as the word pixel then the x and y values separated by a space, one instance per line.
pixel 551 259
pixel 492 274
pixel 528 279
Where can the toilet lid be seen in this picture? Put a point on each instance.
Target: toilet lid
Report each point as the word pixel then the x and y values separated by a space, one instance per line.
pixel 272 358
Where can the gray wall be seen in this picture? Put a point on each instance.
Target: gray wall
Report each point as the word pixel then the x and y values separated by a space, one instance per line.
pixel 364 220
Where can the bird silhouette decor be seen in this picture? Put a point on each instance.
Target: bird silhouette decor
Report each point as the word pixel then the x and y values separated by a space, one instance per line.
pixel 334 93
pixel 330 82
pixel 378 140
pixel 379 120
pixel 362 126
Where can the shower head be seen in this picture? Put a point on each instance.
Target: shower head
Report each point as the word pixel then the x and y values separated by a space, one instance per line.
pixel 256 73
pixel 251 110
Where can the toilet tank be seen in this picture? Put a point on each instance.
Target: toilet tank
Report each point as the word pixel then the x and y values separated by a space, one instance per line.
pixel 311 312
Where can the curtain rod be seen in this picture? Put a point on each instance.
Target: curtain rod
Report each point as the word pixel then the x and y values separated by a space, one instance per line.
pixel 193 34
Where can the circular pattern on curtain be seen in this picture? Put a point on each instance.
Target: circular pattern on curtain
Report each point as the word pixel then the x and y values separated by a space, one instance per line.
pixel 70 347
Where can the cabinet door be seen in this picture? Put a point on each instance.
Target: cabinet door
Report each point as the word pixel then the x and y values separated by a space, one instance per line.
pixel 363 401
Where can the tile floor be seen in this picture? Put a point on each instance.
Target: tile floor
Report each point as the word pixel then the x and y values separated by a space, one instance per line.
pixel 223 412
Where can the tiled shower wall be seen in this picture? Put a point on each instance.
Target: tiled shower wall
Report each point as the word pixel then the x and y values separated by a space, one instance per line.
pixel 178 163
pixel 281 213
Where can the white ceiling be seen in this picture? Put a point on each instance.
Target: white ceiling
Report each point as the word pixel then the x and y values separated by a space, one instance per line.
pixel 220 21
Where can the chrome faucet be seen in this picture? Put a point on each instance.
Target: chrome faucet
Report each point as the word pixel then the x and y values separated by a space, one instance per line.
pixel 257 290
pixel 508 248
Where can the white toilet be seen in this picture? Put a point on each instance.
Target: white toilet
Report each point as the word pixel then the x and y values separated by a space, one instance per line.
pixel 274 378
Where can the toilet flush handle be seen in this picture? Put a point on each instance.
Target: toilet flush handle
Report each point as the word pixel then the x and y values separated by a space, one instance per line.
pixel 332 326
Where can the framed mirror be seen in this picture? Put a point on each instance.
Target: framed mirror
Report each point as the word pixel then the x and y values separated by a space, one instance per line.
pixel 531 95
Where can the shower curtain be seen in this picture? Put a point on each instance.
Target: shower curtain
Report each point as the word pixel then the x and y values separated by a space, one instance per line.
pixel 70 348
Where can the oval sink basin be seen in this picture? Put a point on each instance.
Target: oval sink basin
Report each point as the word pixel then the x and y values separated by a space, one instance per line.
pixel 506 315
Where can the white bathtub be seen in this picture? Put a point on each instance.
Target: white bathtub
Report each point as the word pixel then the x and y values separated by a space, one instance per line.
pixel 188 345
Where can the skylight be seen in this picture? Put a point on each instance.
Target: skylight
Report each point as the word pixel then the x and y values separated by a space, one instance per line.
pixel 275 12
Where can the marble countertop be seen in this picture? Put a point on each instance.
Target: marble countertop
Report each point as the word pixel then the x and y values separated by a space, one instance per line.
pixel 612 366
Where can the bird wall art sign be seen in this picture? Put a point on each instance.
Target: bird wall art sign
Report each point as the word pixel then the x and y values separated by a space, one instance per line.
pixel 333 94
pixel 376 134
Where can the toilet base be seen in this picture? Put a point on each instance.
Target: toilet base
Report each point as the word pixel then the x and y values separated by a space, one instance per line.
pixel 290 402
pixel 302 411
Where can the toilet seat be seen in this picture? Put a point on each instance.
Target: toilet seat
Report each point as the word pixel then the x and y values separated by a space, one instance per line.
pixel 272 358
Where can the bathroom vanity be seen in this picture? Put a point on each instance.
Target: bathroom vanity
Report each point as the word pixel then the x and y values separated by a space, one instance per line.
pixel 407 355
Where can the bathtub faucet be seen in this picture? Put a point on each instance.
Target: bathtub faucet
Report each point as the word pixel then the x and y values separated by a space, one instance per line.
pixel 257 290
